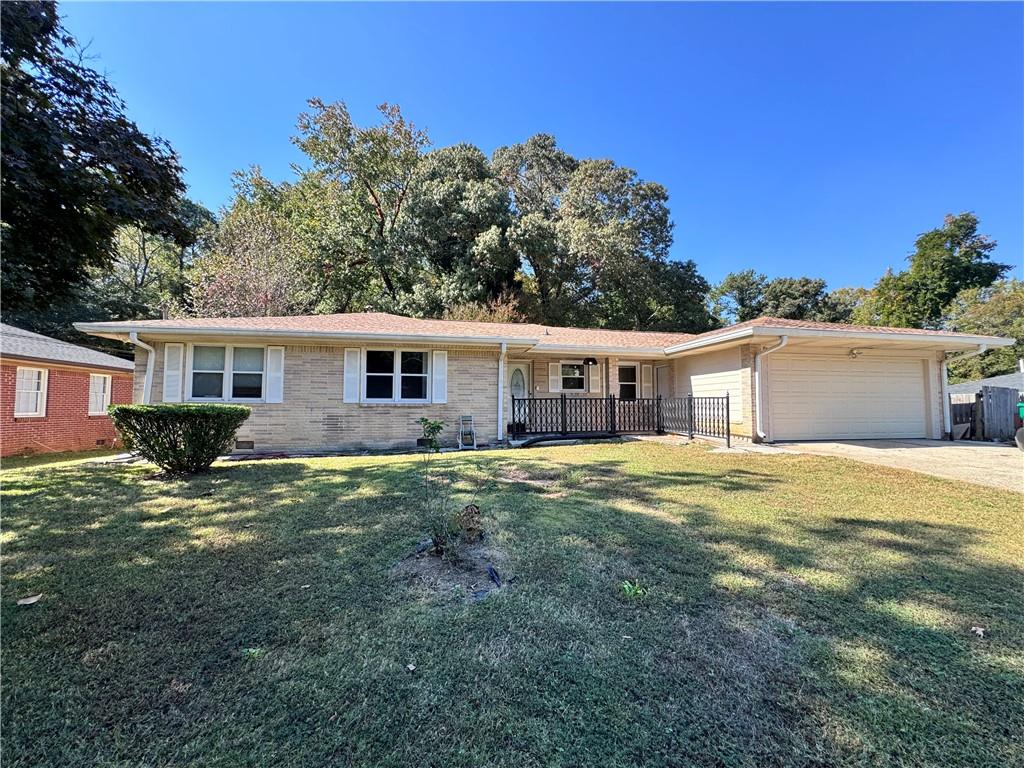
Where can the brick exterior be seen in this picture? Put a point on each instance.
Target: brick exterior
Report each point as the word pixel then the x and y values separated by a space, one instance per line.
pixel 67 425
pixel 314 418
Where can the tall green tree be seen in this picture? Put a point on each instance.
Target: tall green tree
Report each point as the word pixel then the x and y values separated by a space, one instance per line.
pixel 945 261
pixel 997 310
pixel 74 168
pixel 748 294
pixel 454 227
pixel 372 167
pixel 593 239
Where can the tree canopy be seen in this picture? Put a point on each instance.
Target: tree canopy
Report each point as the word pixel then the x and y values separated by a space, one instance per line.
pixel 74 168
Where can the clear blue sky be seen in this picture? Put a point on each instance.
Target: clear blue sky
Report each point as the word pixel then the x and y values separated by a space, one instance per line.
pixel 796 139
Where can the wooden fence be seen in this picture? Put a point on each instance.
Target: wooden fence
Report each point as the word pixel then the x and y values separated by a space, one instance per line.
pixel 991 415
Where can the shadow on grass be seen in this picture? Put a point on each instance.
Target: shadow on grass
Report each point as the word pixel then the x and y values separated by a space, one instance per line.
pixel 247 616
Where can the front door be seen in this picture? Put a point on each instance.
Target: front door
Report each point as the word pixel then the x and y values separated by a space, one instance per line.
pixel 661 385
pixel 517 386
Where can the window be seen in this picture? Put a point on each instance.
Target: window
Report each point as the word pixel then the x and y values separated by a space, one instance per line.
pixel 627 382
pixel 246 373
pixel 208 372
pixel 234 373
pixel 395 375
pixel 99 394
pixel 574 377
pixel 30 392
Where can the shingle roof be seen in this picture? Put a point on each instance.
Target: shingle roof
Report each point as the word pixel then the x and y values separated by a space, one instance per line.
pixel 781 322
pixel 372 323
pixel 544 336
pixel 15 342
pixel 1009 380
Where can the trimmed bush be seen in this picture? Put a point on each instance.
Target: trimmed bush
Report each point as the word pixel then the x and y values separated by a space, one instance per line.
pixel 179 438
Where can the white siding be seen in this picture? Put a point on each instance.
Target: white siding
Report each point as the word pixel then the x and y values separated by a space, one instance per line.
pixel 712 375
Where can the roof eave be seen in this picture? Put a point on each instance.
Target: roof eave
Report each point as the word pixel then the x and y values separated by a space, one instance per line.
pixel 122 330
pixel 956 341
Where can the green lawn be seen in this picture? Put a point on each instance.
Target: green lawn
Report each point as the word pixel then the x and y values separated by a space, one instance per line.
pixel 802 611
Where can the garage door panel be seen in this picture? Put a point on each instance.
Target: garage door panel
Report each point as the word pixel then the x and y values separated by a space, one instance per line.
pixel 839 397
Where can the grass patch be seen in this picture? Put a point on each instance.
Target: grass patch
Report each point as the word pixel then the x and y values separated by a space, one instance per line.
pixel 801 611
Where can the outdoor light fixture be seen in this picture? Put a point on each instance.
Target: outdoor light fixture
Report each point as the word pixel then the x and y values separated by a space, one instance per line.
pixel 855 353
pixel 590 361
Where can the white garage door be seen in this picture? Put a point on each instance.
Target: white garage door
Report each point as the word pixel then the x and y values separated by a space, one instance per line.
pixel 829 398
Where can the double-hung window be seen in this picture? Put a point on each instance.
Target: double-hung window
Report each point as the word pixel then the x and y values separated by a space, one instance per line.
pixel 227 373
pixel 99 394
pixel 30 392
pixel 627 382
pixel 574 377
pixel 395 375
pixel 246 373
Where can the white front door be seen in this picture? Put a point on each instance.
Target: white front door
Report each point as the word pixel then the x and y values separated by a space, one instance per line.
pixel 661 386
pixel 517 385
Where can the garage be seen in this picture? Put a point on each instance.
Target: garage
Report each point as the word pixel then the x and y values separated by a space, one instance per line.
pixel 830 397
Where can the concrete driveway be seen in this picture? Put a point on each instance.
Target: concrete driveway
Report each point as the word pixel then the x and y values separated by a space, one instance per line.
pixel 999 466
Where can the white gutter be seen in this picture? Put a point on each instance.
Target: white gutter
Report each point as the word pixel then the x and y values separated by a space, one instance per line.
pixel 501 392
pixel 759 414
pixel 147 384
pixel 853 333
pixel 947 416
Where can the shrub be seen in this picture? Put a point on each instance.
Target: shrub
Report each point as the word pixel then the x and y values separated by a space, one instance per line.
pixel 179 438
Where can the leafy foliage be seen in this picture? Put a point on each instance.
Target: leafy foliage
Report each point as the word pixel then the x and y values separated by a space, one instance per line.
pixel 75 168
pixel 997 310
pixel 946 260
pixel 179 438
pixel 748 294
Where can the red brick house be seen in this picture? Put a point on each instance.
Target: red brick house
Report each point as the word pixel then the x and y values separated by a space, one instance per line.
pixel 54 395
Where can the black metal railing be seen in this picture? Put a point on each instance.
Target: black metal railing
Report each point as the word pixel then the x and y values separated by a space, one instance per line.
pixel 704 416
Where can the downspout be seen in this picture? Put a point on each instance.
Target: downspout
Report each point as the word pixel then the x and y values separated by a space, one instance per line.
pixel 147 385
pixel 501 391
pixel 947 416
pixel 783 341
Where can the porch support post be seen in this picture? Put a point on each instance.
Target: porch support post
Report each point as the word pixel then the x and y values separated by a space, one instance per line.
pixel 501 391
pixel 565 422
pixel 728 436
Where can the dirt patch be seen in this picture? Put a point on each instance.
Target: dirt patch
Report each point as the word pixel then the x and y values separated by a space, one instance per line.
pixel 480 572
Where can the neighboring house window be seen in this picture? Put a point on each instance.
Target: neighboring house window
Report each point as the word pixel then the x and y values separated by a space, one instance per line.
pixel 574 377
pixel 235 373
pixel 99 394
pixel 396 375
pixel 627 382
pixel 30 392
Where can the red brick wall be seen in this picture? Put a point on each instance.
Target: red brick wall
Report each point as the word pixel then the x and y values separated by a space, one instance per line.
pixel 67 425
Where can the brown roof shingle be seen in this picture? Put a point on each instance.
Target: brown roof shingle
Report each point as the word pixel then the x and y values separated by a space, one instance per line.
pixel 16 342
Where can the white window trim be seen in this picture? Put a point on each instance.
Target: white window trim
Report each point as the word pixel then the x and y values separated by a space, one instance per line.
pixel 40 412
pixel 106 392
pixel 228 375
pixel 586 377
pixel 636 367
pixel 396 377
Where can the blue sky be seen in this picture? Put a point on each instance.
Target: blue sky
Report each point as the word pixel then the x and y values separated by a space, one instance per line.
pixel 796 139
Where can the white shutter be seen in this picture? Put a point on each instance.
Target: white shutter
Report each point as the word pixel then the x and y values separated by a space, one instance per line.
pixel 439 377
pixel 275 375
pixel 595 378
pixel 554 377
pixel 647 380
pixel 174 355
pixel 351 394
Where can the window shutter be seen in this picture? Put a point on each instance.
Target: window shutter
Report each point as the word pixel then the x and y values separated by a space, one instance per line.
pixel 554 377
pixel 275 375
pixel 351 373
pixel 439 377
pixel 173 358
pixel 595 378
pixel 646 379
